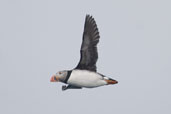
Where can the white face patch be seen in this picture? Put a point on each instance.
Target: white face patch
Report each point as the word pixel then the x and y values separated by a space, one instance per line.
pixel 61 75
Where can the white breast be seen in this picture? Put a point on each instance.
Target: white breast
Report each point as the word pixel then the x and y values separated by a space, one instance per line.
pixel 84 78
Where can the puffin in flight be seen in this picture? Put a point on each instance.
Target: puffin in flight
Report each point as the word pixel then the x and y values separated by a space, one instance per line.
pixel 84 74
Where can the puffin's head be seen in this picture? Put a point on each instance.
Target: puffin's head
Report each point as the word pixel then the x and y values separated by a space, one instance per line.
pixel 59 76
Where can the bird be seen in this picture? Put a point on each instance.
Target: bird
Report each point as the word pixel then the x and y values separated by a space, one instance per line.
pixel 85 74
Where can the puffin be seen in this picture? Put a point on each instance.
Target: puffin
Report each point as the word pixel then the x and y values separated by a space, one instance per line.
pixel 85 74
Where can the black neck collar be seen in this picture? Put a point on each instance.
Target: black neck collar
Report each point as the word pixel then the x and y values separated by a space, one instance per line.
pixel 68 75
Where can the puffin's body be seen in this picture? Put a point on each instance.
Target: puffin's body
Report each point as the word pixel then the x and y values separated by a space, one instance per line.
pixel 85 75
pixel 85 78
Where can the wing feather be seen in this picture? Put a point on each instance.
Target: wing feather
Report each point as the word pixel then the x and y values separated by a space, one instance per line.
pixel 88 52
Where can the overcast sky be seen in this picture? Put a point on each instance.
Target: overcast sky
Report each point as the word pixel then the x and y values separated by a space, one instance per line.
pixel 40 37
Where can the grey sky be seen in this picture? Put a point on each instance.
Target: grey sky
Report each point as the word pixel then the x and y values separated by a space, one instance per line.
pixel 39 38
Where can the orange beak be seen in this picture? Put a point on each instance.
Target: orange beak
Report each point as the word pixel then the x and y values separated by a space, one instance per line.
pixel 54 79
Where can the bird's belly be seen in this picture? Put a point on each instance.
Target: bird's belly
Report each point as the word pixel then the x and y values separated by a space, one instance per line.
pixel 83 78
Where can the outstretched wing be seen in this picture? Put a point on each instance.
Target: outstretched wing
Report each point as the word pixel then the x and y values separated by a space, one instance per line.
pixel 88 50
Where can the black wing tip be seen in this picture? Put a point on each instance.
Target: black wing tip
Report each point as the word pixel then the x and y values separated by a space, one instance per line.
pixel 89 20
pixel 89 17
pixel 91 26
